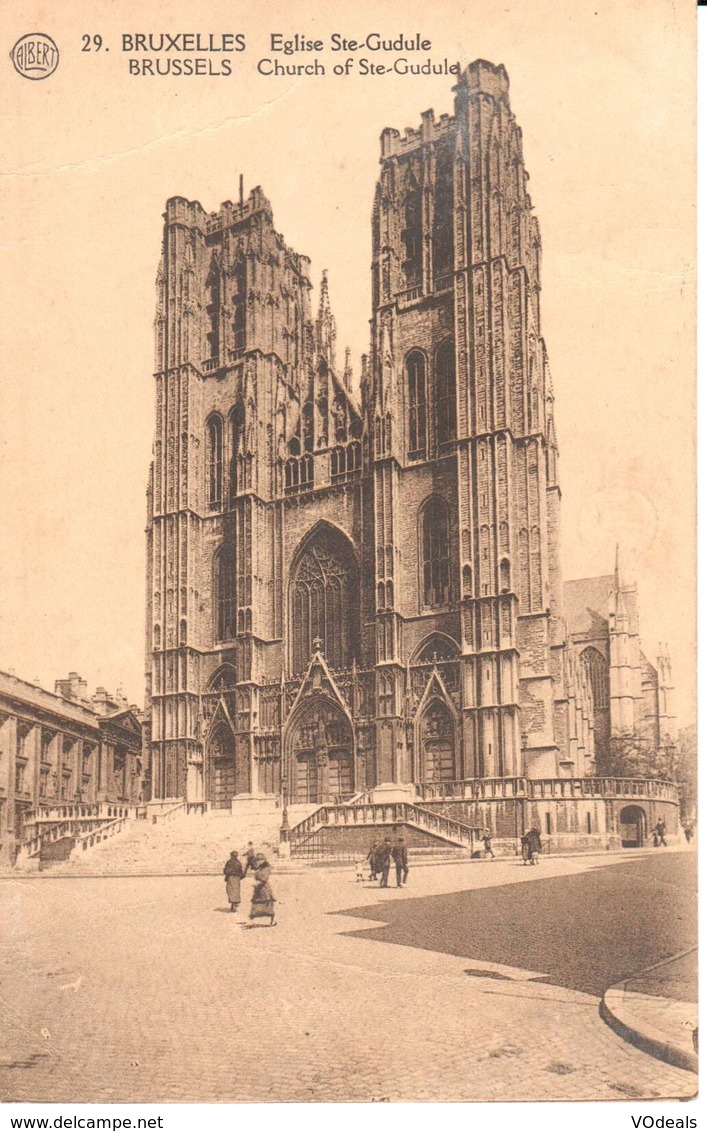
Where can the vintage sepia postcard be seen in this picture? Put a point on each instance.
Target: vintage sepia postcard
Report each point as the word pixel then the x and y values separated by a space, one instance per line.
pixel 347 582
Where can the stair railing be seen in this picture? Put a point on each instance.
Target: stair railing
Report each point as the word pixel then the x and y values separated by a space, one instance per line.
pixel 386 813
pixel 169 814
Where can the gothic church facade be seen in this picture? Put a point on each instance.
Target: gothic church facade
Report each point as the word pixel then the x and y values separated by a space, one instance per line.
pixel 354 588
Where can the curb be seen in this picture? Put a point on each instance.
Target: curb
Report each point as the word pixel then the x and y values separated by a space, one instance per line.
pixel 639 1032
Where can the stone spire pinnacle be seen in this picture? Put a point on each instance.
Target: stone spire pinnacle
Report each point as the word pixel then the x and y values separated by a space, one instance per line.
pixel 326 325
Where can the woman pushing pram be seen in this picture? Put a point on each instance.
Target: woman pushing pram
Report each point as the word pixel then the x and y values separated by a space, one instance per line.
pixel 262 904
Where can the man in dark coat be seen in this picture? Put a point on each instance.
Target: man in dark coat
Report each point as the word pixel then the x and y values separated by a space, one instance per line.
pixel 400 856
pixel 383 862
pixel 373 859
pixel 233 874
pixel 659 836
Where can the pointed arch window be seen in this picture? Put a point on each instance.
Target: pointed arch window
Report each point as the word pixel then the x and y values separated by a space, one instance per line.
pixel 237 424
pixel 214 431
pixel 436 649
pixel 436 556
pixel 213 313
pixel 443 245
pixel 323 608
pixel 308 427
pixel 225 570
pixel 597 670
pixel 239 305
pixel 412 238
pixel 416 365
pixel 446 389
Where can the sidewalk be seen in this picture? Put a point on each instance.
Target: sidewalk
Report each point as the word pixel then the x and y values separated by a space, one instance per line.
pixel 657 1010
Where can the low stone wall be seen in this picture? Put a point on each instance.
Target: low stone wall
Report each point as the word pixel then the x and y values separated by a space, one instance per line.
pixel 56 853
pixel 560 844
pixel 567 824
pixel 355 842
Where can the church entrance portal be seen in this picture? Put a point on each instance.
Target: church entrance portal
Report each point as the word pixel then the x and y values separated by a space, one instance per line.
pixel 322 755
pixel 632 827
pixel 437 741
pixel 228 773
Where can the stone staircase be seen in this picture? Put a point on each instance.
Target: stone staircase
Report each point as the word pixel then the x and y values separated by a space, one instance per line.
pixel 195 844
pixel 345 831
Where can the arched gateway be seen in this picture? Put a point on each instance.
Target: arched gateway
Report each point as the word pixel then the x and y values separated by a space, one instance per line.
pixel 321 754
pixel 632 826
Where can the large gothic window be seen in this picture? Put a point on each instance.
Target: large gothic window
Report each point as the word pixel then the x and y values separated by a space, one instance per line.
pixel 225 570
pixel 446 390
pixel 412 238
pixel 417 405
pixel 214 440
pixel 436 555
pixel 324 593
pixel 597 669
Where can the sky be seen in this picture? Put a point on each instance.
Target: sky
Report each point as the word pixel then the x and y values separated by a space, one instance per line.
pixel 604 94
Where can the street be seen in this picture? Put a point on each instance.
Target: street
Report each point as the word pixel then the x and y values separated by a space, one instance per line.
pixel 138 990
pixel 585 932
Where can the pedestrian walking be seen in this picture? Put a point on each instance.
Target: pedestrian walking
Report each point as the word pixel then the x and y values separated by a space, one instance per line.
pixel 659 834
pixel 249 857
pixel 534 844
pixel 400 857
pixel 486 838
pixel 233 874
pixel 373 859
pixel 383 862
pixel 262 904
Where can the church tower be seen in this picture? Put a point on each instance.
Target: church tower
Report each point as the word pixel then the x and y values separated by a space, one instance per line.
pixel 256 444
pixel 234 344
pixel 466 516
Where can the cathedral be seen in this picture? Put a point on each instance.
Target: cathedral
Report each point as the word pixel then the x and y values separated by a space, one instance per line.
pixel 356 583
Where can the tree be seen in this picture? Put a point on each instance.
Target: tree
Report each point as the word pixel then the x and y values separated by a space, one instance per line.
pixel 631 755
pixel 687 772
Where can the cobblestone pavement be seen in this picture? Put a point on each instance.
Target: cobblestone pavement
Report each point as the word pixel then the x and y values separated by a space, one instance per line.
pixel 139 990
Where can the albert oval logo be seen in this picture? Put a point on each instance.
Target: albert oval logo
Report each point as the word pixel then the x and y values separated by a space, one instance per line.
pixel 35 56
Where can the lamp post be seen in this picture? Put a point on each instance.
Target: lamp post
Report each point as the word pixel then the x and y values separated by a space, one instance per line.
pixel 523 768
pixel 284 824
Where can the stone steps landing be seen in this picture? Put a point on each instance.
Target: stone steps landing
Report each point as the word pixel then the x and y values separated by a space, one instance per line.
pixel 182 845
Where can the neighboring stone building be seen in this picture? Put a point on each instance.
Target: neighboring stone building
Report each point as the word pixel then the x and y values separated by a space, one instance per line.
pixel 630 695
pixel 63 749
pixel 346 593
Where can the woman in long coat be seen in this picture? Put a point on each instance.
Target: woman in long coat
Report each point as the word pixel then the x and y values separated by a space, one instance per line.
pixel 233 874
pixel 262 904
pixel 535 845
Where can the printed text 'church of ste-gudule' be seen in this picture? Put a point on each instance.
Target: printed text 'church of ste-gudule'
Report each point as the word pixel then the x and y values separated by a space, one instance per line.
pixel 349 593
